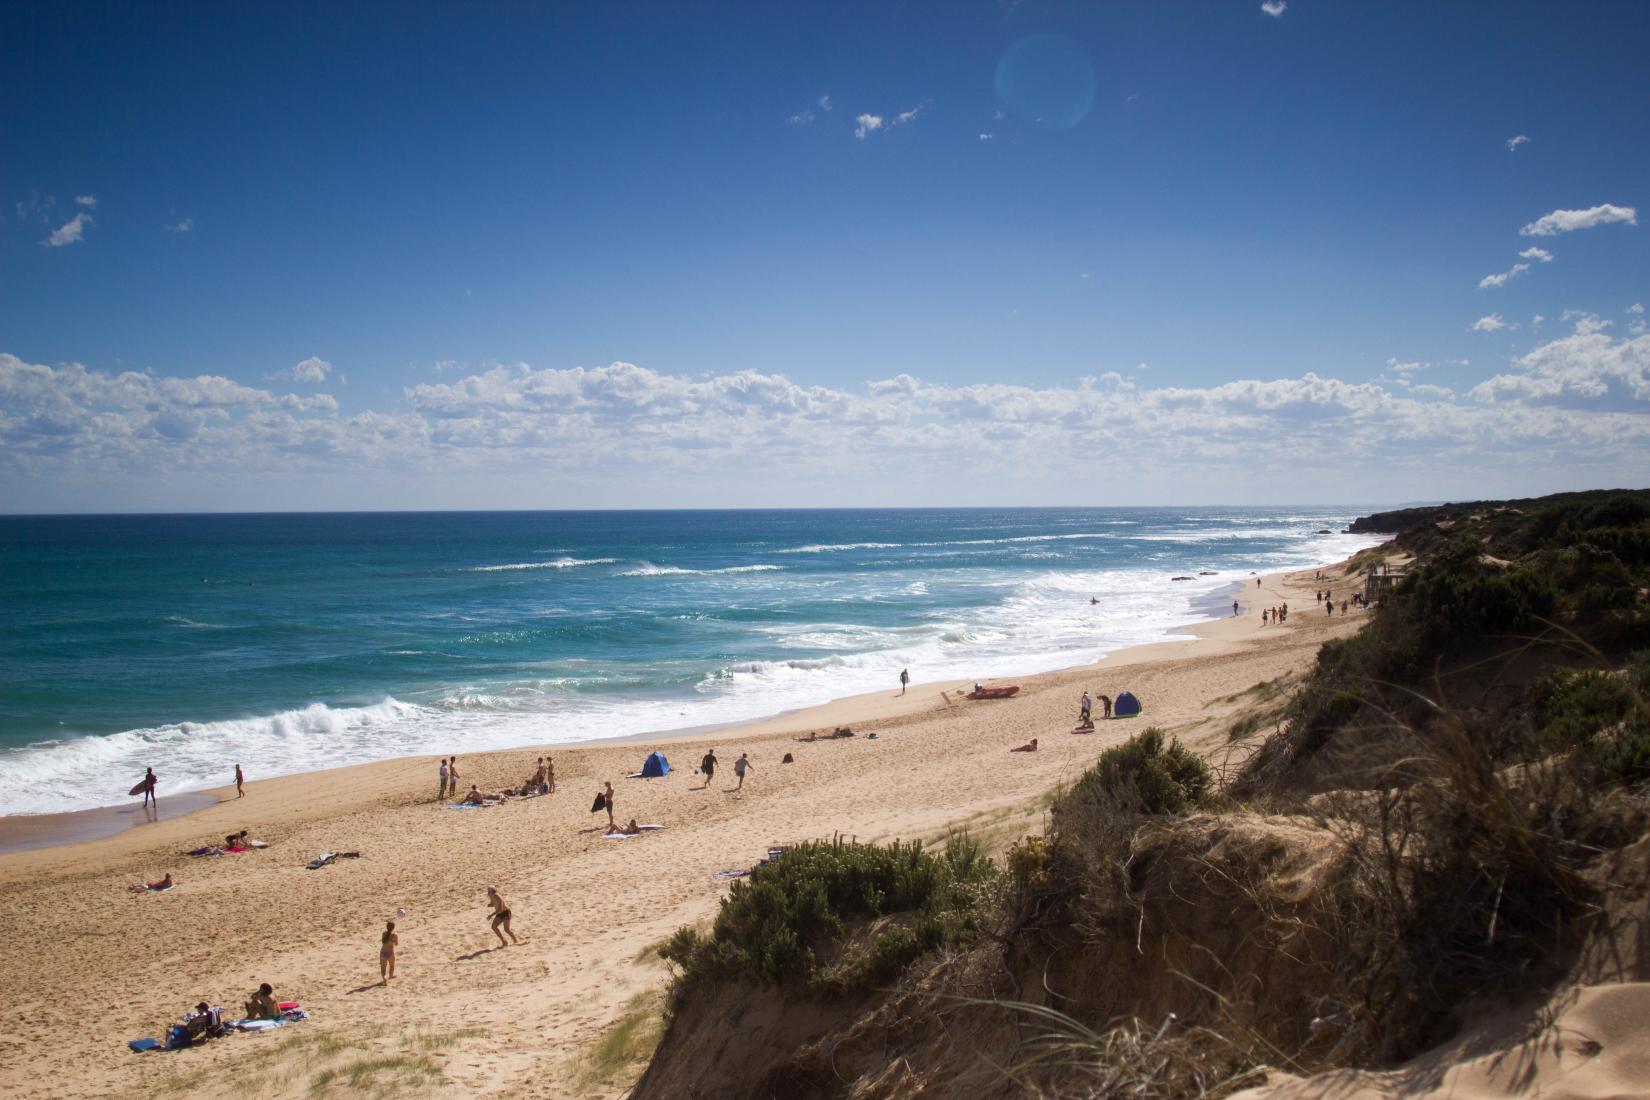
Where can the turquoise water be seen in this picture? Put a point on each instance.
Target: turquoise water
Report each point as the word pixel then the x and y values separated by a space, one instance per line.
pixel 294 642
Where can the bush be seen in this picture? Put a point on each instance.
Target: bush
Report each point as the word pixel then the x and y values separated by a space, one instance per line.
pixel 1143 776
pixel 778 924
pixel 1603 717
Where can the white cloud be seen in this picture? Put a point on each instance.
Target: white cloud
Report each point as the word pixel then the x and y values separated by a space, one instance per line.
pixel 1565 221
pixel 1586 369
pixel 824 103
pixel 1514 142
pixel 1534 253
pixel 801 119
pixel 308 370
pixel 1489 323
pixel 1636 307
pixel 1535 322
pixel 1402 368
pixel 1274 8
pixel 69 232
pixel 907 116
pixel 985 136
pixel 1501 279
pixel 868 124
pixel 185 226
pixel 88 201
pixel 617 433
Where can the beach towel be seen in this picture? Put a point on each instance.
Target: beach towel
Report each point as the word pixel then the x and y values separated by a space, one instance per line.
pixel 140 1045
pixel 731 874
pixel 468 805
pixel 622 836
pixel 322 860
pixel 258 1025
pixel 599 805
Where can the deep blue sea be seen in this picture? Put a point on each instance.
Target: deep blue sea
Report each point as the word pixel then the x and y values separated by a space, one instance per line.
pixel 293 642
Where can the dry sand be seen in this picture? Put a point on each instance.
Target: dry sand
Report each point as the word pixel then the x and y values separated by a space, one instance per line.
pixel 88 965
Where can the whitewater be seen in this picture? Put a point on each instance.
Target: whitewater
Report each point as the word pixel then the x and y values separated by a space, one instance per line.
pixel 289 643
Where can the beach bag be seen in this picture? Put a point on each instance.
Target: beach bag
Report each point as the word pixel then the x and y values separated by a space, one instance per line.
pixel 600 804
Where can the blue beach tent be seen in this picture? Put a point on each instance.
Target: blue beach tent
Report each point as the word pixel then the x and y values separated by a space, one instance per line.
pixel 1126 706
pixel 656 766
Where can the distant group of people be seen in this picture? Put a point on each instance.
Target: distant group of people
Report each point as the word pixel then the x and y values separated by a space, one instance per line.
pixel 708 764
pixel 206 1021
pixel 1274 615
pixel 1327 598
pixel 1085 713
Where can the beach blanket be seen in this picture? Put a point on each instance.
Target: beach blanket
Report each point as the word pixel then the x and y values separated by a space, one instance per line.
pixel 731 874
pixel 140 1045
pixel 469 805
pixel 322 860
pixel 622 836
pixel 257 1025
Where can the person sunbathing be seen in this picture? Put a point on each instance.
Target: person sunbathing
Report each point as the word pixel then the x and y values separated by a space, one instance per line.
pixel 261 1005
pixel 154 887
pixel 626 830
pixel 204 1023
pixel 475 797
pixel 1029 746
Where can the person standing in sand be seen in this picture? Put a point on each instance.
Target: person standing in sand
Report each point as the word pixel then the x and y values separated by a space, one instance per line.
pixel 904 679
pixel 741 766
pixel 149 781
pixel 387 944
pixel 550 774
pixel 1085 711
pixel 708 766
pixel 501 916
pixel 452 774
pixel 441 796
pixel 239 779
pixel 607 802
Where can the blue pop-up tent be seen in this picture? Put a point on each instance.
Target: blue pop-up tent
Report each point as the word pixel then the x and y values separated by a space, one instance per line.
pixel 1126 706
pixel 656 766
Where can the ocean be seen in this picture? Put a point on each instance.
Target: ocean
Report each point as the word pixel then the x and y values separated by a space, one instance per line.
pixel 293 642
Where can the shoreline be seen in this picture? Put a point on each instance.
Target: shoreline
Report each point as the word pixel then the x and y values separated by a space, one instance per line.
pixel 520 1020
pixel 33 832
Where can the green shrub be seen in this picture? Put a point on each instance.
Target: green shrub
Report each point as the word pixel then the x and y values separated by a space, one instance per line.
pixel 777 925
pixel 1603 717
pixel 1145 776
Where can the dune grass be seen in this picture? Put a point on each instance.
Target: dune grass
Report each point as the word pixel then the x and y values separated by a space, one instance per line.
pixel 623 1051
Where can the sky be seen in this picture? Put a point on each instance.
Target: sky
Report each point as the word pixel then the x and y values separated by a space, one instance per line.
pixel 597 255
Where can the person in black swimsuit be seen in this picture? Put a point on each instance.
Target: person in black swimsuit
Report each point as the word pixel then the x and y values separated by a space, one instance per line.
pixel 501 917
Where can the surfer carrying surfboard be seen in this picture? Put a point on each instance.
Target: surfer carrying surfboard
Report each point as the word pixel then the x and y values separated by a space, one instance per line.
pixel 146 787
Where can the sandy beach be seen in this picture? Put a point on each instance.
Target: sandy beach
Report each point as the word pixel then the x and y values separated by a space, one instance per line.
pixel 90 964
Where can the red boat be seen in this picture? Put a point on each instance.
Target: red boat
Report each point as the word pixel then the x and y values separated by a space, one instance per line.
pixel 993 693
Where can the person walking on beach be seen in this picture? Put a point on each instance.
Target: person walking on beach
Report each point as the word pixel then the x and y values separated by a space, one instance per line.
pixel 445 778
pixel 501 916
pixel 239 779
pixel 386 952
pixel 1105 706
pixel 741 766
pixel 149 781
pixel 904 679
pixel 1234 609
pixel 708 766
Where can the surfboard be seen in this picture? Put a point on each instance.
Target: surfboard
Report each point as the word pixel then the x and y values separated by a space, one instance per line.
pixel 143 785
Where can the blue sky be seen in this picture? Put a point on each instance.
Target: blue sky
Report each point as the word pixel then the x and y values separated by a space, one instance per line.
pixel 625 254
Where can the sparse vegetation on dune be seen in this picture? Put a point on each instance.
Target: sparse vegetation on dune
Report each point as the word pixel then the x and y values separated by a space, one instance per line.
pixel 1434 825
